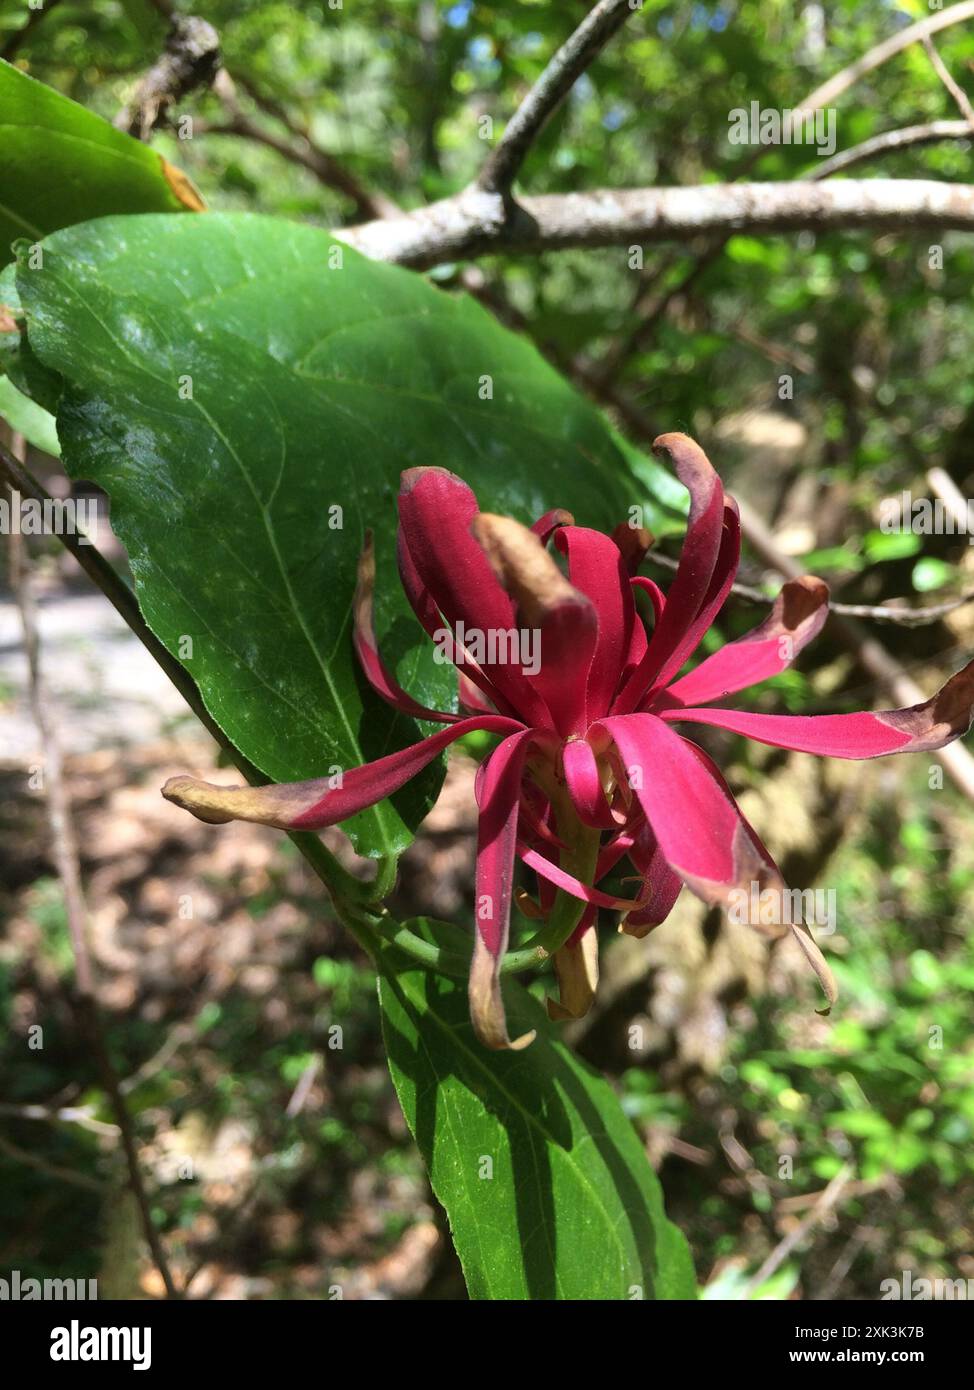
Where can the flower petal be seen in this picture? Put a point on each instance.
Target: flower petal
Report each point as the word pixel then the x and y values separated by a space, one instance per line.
pixel 585 785
pixel 378 676
pixel 728 559
pixel 694 818
pixel 444 570
pixel 561 878
pixel 563 617
pixel 577 968
pixel 496 847
pixel 918 729
pixel 545 525
pixel 661 886
pixel 596 567
pixel 798 615
pixel 698 557
pixel 633 542
pixel 314 804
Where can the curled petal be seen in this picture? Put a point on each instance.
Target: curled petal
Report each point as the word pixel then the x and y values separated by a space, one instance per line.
pixel 366 647
pixel 656 596
pixel 562 616
pixel 446 572
pixel 324 800
pixel 697 561
pixel 661 886
pixel 633 542
pixel 798 616
pixel 496 847
pixel 585 785
pixel 728 558
pixel 596 567
pixel 918 729
pixel 577 968
pixel 547 524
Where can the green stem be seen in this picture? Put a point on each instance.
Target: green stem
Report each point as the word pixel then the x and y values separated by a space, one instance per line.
pixel 447 962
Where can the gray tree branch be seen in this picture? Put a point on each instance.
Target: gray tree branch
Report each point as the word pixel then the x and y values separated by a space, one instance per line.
pixel 562 72
pixel 475 222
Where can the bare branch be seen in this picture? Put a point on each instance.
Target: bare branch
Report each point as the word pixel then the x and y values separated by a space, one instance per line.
pixel 831 90
pixel 300 149
pixel 191 59
pixel 563 71
pixel 880 613
pixel 794 1238
pixel 886 142
pixel 943 72
pixel 475 222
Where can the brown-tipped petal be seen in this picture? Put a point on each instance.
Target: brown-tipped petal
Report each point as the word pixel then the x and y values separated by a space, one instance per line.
pixel 812 953
pixel 487 1006
pixel 937 721
pixel 524 567
pixel 550 522
pixel 919 729
pixel 216 805
pixel 634 542
pixel 798 616
pixel 324 800
pixel 564 618
pixel 577 969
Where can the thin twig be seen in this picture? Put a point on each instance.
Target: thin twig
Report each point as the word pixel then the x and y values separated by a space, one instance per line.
pixel 880 53
pixel 300 149
pixel 886 142
pixel 76 910
pixel 783 1249
pixel 576 54
pixel 943 72
pixel 52 1170
pixel 903 617
pixel 80 1115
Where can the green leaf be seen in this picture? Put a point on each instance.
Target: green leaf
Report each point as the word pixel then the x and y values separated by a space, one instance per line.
pixel 61 164
pixel 230 384
pixel 26 418
pixel 547 1187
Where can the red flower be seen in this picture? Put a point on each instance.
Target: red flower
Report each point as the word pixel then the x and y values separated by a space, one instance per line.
pixel 591 768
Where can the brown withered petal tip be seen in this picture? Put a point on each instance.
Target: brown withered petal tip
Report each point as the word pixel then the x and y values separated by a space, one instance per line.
pixel 524 567
pixel 190 795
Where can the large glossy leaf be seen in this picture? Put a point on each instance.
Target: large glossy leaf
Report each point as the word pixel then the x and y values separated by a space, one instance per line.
pixel 547 1187
pixel 61 164
pixel 241 386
